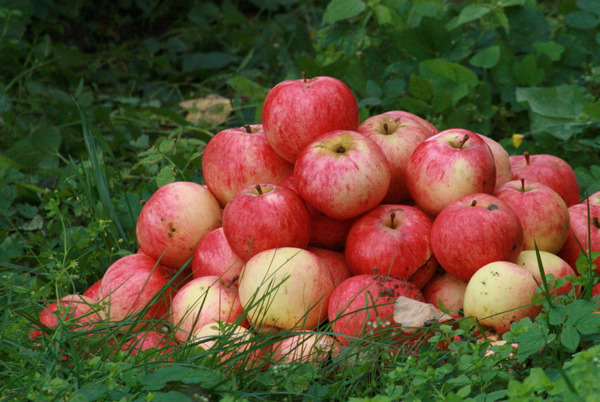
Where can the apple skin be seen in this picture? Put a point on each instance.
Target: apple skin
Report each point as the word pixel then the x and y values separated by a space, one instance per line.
pixel 92 291
pixel 448 166
pixel 363 305
pixel 236 158
pixel 342 174
pixel 130 284
pixel 202 301
pixel 305 346
pixel 397 133
pixel 335 262
pixel 231 340
pixel 542 211
pixel 500 293
pixel 214 257
pixel 286 287
pixel 263 217
pixel 393 240
pixel 447 290
pixel 549 170
pixel 79 310
pixel 594 199
pixel 146 340
pixel 578 215
pixel 501 160
pixel 552 264
pixel 295 112
pixel 465 237
pixel 175 218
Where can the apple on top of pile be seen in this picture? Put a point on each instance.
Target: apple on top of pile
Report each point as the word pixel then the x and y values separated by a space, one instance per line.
pixel 314 216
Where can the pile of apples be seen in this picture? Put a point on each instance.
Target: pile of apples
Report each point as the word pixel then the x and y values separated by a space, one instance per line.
pixel 313 216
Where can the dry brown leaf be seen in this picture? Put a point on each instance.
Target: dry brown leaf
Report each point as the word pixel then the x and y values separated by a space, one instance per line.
pixel 413 314
pixel 212 109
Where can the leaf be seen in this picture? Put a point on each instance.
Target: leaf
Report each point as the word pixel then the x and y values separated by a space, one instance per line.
pixel 561 102
pixel 570 337
pixel 338 10
pixel 165 176
pixel 592 110
pixel 581 20
pixel 436 69
pixel 247 87
pixel 412 314
pixel 198 375
pixel 589 324
pixel 470 13
pixel 487 58
pixel 551 49
pixel 589 5
pixel 213 109
pixel 207 61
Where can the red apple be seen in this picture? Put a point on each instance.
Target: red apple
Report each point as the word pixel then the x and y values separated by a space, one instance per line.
pixel 580 235
pixel 202 301
pixel 295 112
pixel 594 199
pixel 447 291
pixel 543 213
pixel 146 340
pixel 174 220
pixel 448 166
pixel 285 287
pixel 551 263
pixel 214 257
pixel 397 133
pixel 237 158
pixel 92 291
pixel 363 305
pixel 391 240
pixel 342 174
pixel 501 160
pixel 227 341
pixel 305 346
pixel 74 308
pixel 335 262
pixel 474 231
pixel 549 170
pixel 263 217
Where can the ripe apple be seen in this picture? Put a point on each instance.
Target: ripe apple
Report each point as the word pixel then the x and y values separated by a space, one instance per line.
pixel 305 346
pixel 286 287
pixel 397 133
pixel 542 211
pixel 448 166
pixel 594 199
pixel 342 174
pixel 75 310
pixel 134 284
pixel 236 158
pixel 474 231
pixel 549 170
pixel 295 112
pixel 580 235
pixel 335 262
pixel 92 291
pixel 202 301
pixel 145 340
pixel 500 293
pixel 364 304
pixel 263 217
pixel 175 218
pixel 214 257
pixel 392 240
pixel 501 160
pixel 551 263
pixel 447 290
pixel 228 340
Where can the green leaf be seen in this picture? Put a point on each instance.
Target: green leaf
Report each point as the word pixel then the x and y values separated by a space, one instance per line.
pixel 588 324
pixel 561 102
pixel 338 10
pixel 207 61
pixel 570 337
pixel 470 13
pixel 165 176
pixel 383 14
pixel 442 71
pixel 581 20
pixel 551 49
pixel 589 5
pixel 420 88
pixel 244 86
pixel 487 58
pixel 592 110
pixel 420 10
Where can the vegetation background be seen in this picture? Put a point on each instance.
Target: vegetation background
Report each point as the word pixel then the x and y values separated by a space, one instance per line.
pixel 92 122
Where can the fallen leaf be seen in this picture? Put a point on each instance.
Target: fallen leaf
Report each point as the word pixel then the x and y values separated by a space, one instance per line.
pixel 413 314
pixel 212 109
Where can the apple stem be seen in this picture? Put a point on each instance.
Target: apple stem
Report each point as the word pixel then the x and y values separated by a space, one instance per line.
pixel 392 223
pixel 233 280
pixel 303 76
pixel 143 202
pixel 473 203
pixel 596 222
pixel 526 155
pixel 248 129
pixel 340 149
pixel 257 187
pixel 386 128
pixel 523 184
pixel 465 138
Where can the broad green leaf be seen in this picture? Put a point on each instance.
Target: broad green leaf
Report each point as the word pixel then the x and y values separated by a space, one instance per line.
pixel 420 88
pixel 581 20
pixel 383 14
pixel 561 102
pixel 207 61
pixel 551 49
pixel 338 10
pixel 251 89
pixel 592 110
pixel 589 324
pixel 487 58
pixel 470 13
pixel 420 10
pixel 438 69
pixel 570 337
pixel 527 71
pixel 165 176
pixel 589 5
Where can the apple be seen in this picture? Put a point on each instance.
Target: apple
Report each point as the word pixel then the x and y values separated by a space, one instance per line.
pixel 305 346
pixel 146 340
pixel 236 158
pixel 74 310
pixel 542 211
pixel 393 240
pixel 335 262
pixel 295 112
pixel 202 301
pixel 447 291
pixel 594 199
pixel 397 133
pixel 263 217
pixel 134 285
pixel 227 340
pixel 175 218
pixel 214 257
pixel 286 287
pixel 549 170
pixel 342 174
pixel 585 231
pixel 500 293
pixel 448 166
pixel 92 291
pixel 551 263
pixel 363 305
pixel 501 160
pixel 474 231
